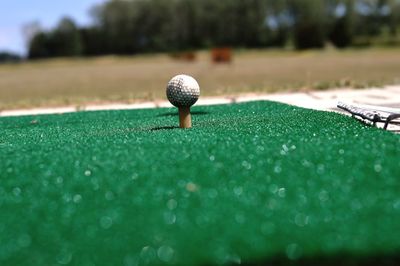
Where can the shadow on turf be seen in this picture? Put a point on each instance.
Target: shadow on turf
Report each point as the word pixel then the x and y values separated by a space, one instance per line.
pixel 338 260
pixel 176 113
pixel 163 128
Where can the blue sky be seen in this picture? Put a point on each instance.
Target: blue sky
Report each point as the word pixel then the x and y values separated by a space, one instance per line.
pixel 14 14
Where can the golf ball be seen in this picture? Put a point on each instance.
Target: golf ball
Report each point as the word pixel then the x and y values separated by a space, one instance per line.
pixel 183 91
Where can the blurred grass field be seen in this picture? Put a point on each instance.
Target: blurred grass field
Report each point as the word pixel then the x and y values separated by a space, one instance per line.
pixel 60 82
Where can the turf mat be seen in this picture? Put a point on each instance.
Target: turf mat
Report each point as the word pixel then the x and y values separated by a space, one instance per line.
pixel 253 182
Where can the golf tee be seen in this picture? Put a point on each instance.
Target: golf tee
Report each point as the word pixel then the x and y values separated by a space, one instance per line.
pixel 185 120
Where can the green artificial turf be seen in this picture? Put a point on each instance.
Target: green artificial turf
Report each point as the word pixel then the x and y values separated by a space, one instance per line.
pixel 249 183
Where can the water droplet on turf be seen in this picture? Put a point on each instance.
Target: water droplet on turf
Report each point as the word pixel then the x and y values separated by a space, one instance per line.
pixel 77 198
pixel 172 204
pixel 165 253
pixel 64 257
pixel 293 251
pixel 106 222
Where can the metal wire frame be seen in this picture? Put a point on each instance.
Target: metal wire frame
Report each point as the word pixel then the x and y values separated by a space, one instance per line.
pixel 371 114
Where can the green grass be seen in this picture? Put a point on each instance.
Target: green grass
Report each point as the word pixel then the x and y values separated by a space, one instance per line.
pixel 78 82
pixel 250 182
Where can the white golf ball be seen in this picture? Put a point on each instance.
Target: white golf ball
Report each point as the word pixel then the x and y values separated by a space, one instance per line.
pixel 183 91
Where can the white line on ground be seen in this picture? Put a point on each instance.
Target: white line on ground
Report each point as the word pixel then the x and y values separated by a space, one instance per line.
pixel 388 96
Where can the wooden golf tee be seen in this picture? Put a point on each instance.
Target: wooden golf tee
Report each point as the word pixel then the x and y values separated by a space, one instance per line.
pixel 185 120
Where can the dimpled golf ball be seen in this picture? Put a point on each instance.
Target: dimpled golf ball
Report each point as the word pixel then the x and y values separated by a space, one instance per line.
pixel 183 91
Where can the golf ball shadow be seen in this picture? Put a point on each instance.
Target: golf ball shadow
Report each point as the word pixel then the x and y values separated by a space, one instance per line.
pixel 164 128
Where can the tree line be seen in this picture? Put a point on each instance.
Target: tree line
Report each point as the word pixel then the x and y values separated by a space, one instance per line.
pixel 140 26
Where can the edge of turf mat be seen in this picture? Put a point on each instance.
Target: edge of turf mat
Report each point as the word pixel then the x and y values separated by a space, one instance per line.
pixel 254 182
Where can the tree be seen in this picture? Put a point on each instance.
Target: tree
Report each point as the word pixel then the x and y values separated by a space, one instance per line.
pixel 65 40
pixel 29 31
pixel 342 31
pixel 38 47
pixel 137 26
pixel 7 57
pixel 309 23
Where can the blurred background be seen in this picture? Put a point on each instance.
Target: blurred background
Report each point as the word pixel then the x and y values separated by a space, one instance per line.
pixel 80 51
